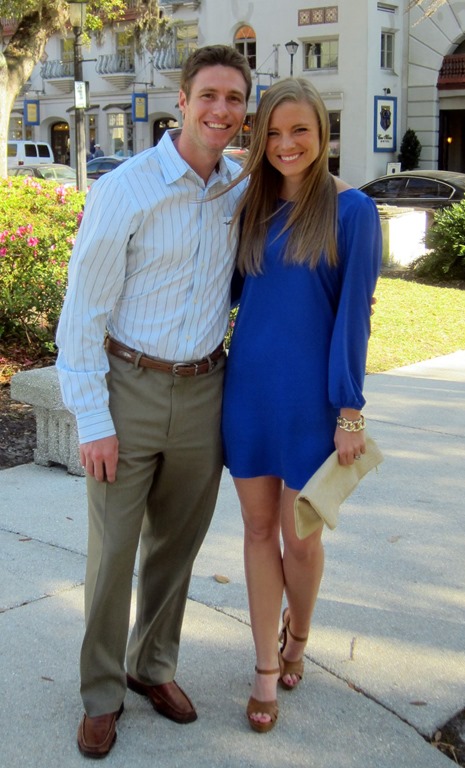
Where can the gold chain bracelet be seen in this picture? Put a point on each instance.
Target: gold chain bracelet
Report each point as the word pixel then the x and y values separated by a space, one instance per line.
pixel 351 426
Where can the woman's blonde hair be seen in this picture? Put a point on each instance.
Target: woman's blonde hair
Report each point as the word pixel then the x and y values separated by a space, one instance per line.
pixel 313 216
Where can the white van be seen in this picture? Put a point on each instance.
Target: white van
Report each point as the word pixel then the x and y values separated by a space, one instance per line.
pixel 29 152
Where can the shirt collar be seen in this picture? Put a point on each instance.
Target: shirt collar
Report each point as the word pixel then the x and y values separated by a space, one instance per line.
pixel 174 167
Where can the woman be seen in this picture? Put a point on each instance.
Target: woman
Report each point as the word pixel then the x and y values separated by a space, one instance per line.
pixel 310 248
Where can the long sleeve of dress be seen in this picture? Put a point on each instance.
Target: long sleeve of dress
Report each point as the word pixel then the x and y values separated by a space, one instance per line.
pixel 360 251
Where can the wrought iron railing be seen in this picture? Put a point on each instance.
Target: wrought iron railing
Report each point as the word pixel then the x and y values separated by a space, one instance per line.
pixel 172 56
pixel 53 69
pixel 115 63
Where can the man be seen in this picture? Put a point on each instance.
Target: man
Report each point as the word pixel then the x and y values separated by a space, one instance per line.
pixel 98 152
pixel 151 268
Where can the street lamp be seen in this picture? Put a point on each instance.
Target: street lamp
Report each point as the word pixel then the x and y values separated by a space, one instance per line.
pixel 291 48
pixel 77 17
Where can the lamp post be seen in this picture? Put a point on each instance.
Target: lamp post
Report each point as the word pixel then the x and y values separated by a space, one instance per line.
pixel 77 17
pixel 291 48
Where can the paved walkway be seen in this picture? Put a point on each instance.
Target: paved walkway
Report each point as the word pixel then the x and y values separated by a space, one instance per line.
pixel 386 658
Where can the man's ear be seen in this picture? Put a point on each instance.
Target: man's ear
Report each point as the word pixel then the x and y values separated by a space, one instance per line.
pixel 182 101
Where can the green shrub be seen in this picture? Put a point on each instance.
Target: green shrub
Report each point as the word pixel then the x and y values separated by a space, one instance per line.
pixel 38 225
pixel 446 240
pixel 410 151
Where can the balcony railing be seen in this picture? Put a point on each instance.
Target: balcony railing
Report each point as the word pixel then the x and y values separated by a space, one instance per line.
pixel 192 3
pixel 53 69
pixel 115 64
pixel 452 72
pixel 172 57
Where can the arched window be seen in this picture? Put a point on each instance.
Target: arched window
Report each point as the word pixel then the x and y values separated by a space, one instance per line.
pixel 245 42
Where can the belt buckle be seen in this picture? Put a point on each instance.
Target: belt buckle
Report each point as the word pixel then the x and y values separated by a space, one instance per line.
pixel 177 366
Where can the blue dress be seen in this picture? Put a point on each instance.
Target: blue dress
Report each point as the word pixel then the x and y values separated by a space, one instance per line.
pixel 298 350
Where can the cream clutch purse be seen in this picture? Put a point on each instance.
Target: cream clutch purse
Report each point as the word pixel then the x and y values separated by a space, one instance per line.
pixel 319 500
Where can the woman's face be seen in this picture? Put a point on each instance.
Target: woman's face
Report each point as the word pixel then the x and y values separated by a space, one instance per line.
pixel 293 142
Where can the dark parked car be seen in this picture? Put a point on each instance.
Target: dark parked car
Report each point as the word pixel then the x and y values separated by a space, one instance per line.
pixel 417 189
pixel 62 174
pixel 99 166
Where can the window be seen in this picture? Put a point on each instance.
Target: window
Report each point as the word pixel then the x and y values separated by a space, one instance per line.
pixel 30 150
pixel 125 51
pixel 180 40
pixel 321 54
pixel 385 189
pixel 15 131
pixel 43 150
pixel 186 40
pixel 334 142
pixel 387 50
pixel 120 131
pixel 67 49
pixel 387 8
pixel 245 42
pixel 67 58
pixel 416 187
pixel 242 140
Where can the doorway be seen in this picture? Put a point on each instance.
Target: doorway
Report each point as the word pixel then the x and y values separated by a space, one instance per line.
pixel 160 126
pixel 451 156
pixel 60 142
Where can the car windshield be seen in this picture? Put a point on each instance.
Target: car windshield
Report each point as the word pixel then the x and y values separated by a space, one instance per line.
pixel 59 173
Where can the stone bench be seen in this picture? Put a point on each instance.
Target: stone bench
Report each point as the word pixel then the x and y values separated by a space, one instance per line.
pixel 56 431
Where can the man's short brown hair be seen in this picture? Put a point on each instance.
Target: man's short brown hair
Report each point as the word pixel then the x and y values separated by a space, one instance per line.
pixel 210 56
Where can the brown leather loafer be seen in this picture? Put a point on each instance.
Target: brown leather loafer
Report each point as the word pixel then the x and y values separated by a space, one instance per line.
pixel 168 699
pixel 96 735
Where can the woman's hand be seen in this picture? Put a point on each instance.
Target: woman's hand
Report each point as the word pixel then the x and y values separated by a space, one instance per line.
pixel 349 445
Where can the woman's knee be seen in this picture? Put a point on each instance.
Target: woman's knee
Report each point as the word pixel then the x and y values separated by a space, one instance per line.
pixel 304 550
pixel 260 526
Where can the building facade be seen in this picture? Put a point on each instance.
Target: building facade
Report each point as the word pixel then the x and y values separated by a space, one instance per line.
pixel 380 69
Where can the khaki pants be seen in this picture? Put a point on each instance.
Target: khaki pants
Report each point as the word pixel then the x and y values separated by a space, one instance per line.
pixel 169 469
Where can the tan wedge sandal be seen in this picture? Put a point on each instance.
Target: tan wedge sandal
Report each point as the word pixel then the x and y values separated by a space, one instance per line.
pixel 265 707
pixel 289 667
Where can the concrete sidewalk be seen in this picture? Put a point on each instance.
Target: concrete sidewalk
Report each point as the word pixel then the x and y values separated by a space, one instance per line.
pixel 386 657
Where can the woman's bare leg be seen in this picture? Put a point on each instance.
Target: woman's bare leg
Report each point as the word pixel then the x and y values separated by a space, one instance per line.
pixel 303 562
pixel 260 500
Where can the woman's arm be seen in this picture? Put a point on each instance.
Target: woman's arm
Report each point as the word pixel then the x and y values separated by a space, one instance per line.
pixel 360 249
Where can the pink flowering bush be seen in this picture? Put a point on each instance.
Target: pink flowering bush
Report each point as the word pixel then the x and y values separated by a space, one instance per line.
pixel 38 225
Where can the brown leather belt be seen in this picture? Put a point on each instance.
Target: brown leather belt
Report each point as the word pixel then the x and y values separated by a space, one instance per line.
pixel 190 368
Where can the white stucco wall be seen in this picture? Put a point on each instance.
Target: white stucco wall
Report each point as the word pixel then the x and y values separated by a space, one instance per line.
pixel 430 39
pixel 420 45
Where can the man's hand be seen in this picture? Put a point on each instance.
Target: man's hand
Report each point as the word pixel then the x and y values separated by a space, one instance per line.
pixel 373 302
pixel 100 457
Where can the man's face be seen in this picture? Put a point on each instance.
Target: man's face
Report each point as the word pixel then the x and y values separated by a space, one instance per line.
pixel 215 110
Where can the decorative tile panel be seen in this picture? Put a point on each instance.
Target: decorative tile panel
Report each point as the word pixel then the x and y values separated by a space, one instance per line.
pixel 327 15
pixel 331 16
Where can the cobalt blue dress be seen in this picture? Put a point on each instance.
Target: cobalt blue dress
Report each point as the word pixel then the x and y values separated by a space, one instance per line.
pixel 298 350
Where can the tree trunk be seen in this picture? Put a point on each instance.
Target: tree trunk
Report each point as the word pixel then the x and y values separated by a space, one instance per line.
pixel 19 58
